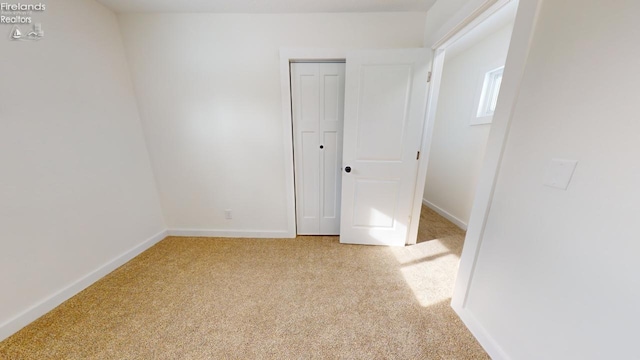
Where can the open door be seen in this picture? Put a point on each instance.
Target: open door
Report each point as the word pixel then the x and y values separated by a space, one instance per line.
pixel 385 102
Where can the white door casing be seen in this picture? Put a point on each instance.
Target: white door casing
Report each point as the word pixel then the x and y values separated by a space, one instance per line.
pixel 385 101
pixel 317 94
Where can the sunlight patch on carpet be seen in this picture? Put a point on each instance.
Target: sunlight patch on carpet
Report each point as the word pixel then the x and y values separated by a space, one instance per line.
pixel 427 270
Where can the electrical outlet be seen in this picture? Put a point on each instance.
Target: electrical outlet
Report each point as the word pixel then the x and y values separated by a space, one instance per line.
pixel 227 214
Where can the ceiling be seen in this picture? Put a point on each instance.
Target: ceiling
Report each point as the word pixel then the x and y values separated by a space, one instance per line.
pixel 266 6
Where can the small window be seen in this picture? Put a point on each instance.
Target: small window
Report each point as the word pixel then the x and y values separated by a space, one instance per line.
pixel 490 91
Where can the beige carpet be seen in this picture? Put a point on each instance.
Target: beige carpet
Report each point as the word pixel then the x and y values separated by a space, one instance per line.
pixel 304 298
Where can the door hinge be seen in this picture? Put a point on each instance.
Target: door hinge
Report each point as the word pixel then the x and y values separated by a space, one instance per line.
pixel 429 77
pixel 418 156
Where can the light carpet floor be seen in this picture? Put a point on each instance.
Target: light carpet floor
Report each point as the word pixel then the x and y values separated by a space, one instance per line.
pixel 304 298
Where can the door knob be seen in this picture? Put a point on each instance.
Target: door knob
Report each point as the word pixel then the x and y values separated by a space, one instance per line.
pixel 348 169
pixel 321 146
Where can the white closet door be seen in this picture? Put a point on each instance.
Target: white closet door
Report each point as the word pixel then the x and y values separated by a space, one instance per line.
pixel 317 93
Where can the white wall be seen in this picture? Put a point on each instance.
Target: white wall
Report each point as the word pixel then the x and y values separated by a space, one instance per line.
pixel 76 187
pixel 209 90
pixel 557 272
pixel 457 148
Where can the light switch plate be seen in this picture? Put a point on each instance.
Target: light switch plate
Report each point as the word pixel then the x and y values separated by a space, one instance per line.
pixel 559 173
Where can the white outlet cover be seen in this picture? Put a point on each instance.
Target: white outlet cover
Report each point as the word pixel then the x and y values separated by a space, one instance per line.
pixel 559 173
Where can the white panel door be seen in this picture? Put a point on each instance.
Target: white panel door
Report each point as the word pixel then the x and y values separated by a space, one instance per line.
pixel 317 94
pixel 385 101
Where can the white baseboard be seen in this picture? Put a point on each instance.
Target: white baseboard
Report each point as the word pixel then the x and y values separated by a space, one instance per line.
pixel 23 319
pixel 232 233
pixel 445 214
pixel 480 333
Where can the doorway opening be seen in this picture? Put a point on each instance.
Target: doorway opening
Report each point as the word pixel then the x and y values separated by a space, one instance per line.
pixel 471 71
pixel 465 88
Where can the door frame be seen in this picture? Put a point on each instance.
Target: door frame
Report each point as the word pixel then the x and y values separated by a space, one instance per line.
pixel 287 56
pixel 521 38
pixel 476 17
